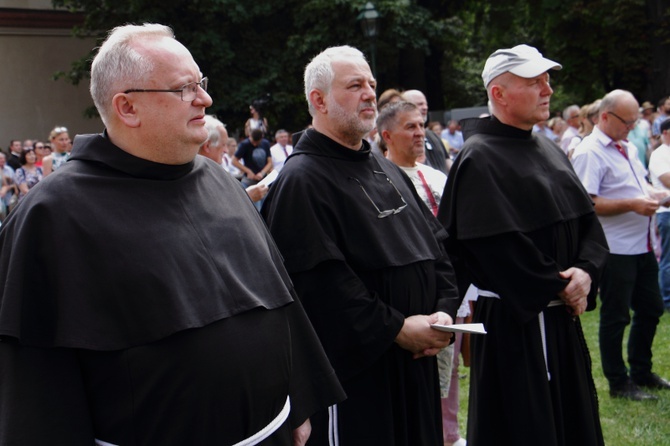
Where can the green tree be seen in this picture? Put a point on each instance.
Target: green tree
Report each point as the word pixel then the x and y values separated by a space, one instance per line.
pixel 253 50
pixel 256 50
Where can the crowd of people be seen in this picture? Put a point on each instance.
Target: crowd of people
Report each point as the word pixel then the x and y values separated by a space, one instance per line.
pixel 293 291
pixel 25 164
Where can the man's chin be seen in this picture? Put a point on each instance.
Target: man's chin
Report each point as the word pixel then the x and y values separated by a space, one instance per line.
pixel 367 125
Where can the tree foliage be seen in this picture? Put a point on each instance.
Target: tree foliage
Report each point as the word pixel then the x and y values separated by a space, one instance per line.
pixel 253 50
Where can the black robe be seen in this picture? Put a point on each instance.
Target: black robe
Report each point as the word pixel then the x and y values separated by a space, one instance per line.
pixel 358 277
pixel 517 215
pixel 436 154
pixel 144 303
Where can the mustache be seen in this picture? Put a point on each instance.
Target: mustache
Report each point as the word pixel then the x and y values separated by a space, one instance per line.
pixel 368 104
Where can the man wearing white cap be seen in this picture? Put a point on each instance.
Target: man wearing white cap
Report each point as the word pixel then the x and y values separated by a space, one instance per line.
pixel 522 229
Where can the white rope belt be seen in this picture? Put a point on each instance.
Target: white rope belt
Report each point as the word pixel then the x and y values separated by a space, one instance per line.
pixel 543 333
pixel 270 428
pixel 540 317
pixel 255 438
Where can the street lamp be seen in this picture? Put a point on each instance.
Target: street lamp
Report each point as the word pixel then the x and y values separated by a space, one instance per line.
pixel 368 18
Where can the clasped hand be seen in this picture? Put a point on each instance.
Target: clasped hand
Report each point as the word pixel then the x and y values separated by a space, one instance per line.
pixel 418 337
pixel 576 293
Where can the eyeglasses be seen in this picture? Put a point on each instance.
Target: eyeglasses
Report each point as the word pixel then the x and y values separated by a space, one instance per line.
pixel 60 130
pixel 629 124
pixel 188 92
pixel 380 213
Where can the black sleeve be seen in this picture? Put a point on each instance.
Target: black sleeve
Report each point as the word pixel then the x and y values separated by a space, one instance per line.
pixel 42 399
pixel 448 299
pixel 355 327
pixel 511 265
pixel 593 253
pixel 314 385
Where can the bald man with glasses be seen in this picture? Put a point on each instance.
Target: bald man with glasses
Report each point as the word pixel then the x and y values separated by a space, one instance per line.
pixel 608 166
pixel 143 300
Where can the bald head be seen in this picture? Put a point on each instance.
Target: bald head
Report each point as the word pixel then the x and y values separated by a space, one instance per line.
pixel 417 98
pixel 619 112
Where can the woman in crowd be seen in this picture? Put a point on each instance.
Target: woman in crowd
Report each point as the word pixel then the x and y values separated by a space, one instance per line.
pixel 588 118
pixel 40 151
pixel 28 175
pixel 256 122
pixel 60 146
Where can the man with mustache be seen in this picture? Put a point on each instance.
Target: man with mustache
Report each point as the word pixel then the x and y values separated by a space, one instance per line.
pixel 365 256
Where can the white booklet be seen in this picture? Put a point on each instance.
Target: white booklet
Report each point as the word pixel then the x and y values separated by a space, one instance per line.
pixel 269 178
pixel 461 328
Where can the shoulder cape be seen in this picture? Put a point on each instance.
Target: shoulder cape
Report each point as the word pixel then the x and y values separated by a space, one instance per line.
pixel 322 207
pixel 502 177
pixel 113 251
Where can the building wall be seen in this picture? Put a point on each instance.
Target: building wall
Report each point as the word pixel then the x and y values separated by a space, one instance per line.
pixel 32 102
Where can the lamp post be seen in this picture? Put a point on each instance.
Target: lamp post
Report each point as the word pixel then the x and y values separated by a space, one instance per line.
pixel 368 19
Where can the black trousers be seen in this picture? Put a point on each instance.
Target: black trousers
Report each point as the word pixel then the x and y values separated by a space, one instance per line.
pixel 629 282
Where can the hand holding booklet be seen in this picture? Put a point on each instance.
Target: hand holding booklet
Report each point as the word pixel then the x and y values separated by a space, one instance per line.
pixel 461 328
pixel 269 178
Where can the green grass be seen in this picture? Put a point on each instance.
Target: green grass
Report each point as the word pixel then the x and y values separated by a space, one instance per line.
pixel 624 423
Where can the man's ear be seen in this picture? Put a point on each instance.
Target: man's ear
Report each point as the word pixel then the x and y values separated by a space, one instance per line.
pixel 318 100
pixel 498 94
pixel 126 110
pixel 386 136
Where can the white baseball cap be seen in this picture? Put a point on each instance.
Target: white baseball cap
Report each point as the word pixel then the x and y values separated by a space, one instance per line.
pixel 522 60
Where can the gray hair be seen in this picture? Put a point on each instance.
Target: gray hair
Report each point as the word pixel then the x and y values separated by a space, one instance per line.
pixel 387 117
pixel 117 64
pixel 569 111
pixel 319 72
pixel 212 124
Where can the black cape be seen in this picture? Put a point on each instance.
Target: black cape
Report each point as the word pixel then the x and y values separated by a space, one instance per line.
pixel 134 291
pixel 436 153
pixel 358 277
pixel 107 274
pixel 517 214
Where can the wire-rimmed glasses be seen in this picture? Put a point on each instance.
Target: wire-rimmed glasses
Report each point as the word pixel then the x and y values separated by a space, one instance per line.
pixel 188 92
pixel 629 124
pixel 385 213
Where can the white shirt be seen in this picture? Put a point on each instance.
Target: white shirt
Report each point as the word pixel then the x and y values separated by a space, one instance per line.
pixel 607 173
pixel 546 131
pixel 279 155
pixel 659 164
pixel 227 163
pixel 434 179
pixel 567 136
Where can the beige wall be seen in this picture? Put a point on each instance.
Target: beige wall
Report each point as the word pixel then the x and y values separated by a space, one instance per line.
pixel 27 4
pixel 32 103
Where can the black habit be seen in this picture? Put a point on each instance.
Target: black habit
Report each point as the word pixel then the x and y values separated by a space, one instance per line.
pixel 359 276
pixel 517 215
pixel 146 304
